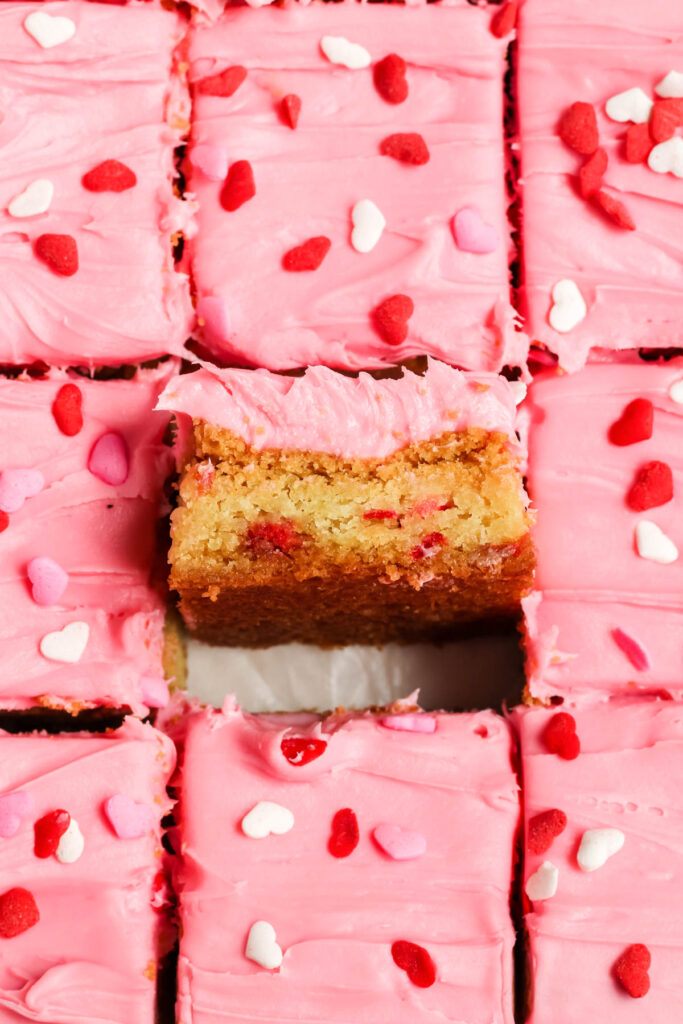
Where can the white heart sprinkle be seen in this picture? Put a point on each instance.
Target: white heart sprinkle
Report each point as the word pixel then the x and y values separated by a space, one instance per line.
pixel 676 391
pixel 339 50
pixel 47 30
pixel 568 308
pixel 66 644
pixel 671 86
pixel 265 819
pixel 667 157
pixel 542 885
pixel 518 389
pixel 262 946
pixel 653 544
pixel 368 224
pixel 71 845
pixel 35 198
pixel 597 846
pixel 633 105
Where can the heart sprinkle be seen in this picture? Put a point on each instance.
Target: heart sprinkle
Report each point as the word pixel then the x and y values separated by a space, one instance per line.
pixel 109 176
pixel 504 20
pixel 415 961
pixel 406 147
pixel 71 845
pixel 400 843
pixel 262 946
pixel 127 817
pixel 597 846
pixel 638 143
pixel 48 579
pixel 652 487
pixel 238 187
pixel 265 819
pixel 14 808
pixel 409 722
pixel 632 648
pixel 568 308
pixel 542 885
pixel 390 318
pixel 307 256
pixel 48 831
pixel 578 128
pixel 671 85
pixel 592 173
pixel 67 410
pixel 59 253
pixel 543 828
pixel 676 391
pixel 35 199
pixel 653 544
pixel 224 84
pixel 212 161
pixel 559 736
pixel 472 233
pixel 154 691
pixel 109 460
pixel 390 79
pixel 345 836
pixel 66 645
pixel 631 970
pixel 47 30
pixel 667 157
pixel 290 109
pixel 615 209
pixel 666 117
pixel 368 224
pixel 339 50
pixel 632 105
pixel 18 912
pixel 300 750
pixel 635 423
pixel 16 485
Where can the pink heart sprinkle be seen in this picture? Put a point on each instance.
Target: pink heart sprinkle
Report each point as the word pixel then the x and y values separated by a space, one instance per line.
pixel 129 819
pixel 14 808
pixel 632 648
pixel 109 459
pixel 154 691
pixel 400 843
pixel 210 160
pixel 409 722
pixel 212 314
pixel 16 485
pixel 48 580
pixel 472 233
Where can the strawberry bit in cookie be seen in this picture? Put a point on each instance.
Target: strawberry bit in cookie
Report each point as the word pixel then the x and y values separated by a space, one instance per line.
pixel 204 473
pixel 428 546
pixel 380 513
pixel 268 538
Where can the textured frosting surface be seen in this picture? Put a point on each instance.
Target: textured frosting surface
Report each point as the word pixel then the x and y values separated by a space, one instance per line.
pixel 327 412
pixel 590 577
pixel 92 954
pixel 106 93
pixel 336 919
pixel 101 534
pixel 627 777
pixel 631 281
pixel 308 180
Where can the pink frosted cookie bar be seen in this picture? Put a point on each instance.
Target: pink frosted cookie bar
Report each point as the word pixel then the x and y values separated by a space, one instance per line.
pixel 602 863
pixel 601 182
pixel 347 868
pixel 81 476
pixel 606 478
pixel 320 199
pixel 92 110
pixel 81 887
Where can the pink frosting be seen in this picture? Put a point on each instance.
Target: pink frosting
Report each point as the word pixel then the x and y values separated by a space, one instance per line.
pixel 336 942
pixel 626 777
pixel 104 94
pixel 327 412
pixel 92 953
pixel 102 536
pixel 308 181
pixel 631 281
pixel 590 578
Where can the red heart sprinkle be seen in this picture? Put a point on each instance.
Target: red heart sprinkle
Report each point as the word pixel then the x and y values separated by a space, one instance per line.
pixel 415 961
pixel 60 252
pixel 634 424
pixel 631 970
pixel 592 173
pixel 290 108
pixel 559 736
pixel 18 912
pixel 390 79
pixel 307 256
pixel 266 538
pixel 543 828
pixel 4 521
pixel 408 147
pixel 67 409
pixel 345 835
pixel 579 128
pixel 653 486
pixel 109 176
pixel 238 186
pixel 666 117
pixel 615 209
pixel 428 546
pixel 380 513
pixel 504 20
pixel 48 831
pixel 390 318
pixel 223 84
pixel 638 143
pixel 300 750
